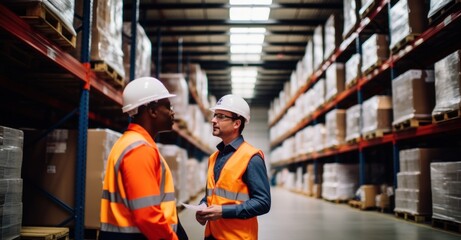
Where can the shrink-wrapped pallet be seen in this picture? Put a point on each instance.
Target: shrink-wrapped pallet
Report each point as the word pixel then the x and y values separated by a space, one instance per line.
pixel 353 122
pixel 413 95
pixel 413 193
pixel 106 33
pixel 437 5
pixel 335 124
pixel 319 93
pixel 11 150
pixel 334 78
pixel 319 137
pixel 308 59
pixel 365 5
pixel 339 181
pixel 377 115
pixel 375 51
pixel 352 70
pixel 407 19
pixel 176 84
pixel 176 159
pixel 317 40
pixel 333 31
pixel 350 16
pixel 448 84
pixel 143 57
pixel 446 191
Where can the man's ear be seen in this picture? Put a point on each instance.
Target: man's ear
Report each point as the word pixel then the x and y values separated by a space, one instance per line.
pixel 153 112
pixel 237 125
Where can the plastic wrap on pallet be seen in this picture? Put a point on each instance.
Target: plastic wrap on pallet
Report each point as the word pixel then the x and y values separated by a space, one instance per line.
pixel 339 181
pixel 437 5
pixel 374 50
pixel 448 83
pixel 10 191
pixel 333 31
pixel 318 46
pixel 353 122
pixel 10 137
pixel 352 69
pixel 10 220
pixel 11 150
pixel 143 58
pixel 176 158
pixel 413 95
pixel 319 137
pixel 319 93
pixel 335 124
pixel 106 33
pixel 377 114
pixel 350 16
pixel 176 84
pixel 334 78
pixel 406 17
pixel 63 9
pixel 446 191
pixel 308 59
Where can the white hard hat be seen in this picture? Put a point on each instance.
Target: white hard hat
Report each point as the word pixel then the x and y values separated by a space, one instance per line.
pixel 142 91
pixel 235 104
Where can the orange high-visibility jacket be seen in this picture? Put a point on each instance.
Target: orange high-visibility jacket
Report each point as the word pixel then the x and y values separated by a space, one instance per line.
pixel 230 189
pixel 138 191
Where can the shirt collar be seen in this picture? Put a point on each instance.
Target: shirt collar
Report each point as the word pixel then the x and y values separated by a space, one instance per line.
pixel 139 129
pixel 234 144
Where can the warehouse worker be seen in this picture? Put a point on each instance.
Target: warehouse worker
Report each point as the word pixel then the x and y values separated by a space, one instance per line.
pixel 138 200
pixel 237 187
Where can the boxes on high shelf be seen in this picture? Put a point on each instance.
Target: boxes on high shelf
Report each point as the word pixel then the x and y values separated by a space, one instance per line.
pixel 333 31
pixel 143 61
pixel 413 193
pixel 334 79
pixel 352 70
pixel 335 124
pixel 106 33
pixel 375 51
pixel 408 18
pixel 377 115
pixel 176 84
pixel 176 159
pixel 448 84
pixel 318 46
pixel 51 164
pixel 353 122
pixel 350 16
pixel 436 6
pixel 413 95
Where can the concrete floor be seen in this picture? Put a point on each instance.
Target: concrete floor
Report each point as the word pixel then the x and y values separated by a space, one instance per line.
pixel 294 216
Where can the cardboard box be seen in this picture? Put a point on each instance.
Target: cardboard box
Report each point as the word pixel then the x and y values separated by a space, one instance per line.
pixel 368 196
pixel 375 51
pixel 377 114
pixel 50 165
pixel 407 18
pixel 413 95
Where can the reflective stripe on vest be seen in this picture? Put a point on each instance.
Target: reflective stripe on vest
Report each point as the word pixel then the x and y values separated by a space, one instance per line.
pixel 230 189
pixel 166 200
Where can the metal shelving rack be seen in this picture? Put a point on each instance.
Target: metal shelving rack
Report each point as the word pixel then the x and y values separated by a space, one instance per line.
pixel 67 87
pixel 444 36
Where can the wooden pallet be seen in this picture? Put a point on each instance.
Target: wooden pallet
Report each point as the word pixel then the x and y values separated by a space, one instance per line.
pixel 373 134
pixel 446 225
pixel 43 19
pixel 450 7
pixel 402 43
pixel 337 201
pixel 410 123
pixel 373 67
pixel 45 233
pixel 106 72
pixel 352 83
pixel 353 140
pixel 445 116
pixel 418 218
pixel 359 205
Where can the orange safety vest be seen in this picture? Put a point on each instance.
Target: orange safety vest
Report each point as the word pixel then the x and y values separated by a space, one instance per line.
pixel 230 189
pixel 116 208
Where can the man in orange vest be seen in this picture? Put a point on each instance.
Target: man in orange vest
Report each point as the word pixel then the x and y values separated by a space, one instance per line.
pixel 138 200
pixel 237 189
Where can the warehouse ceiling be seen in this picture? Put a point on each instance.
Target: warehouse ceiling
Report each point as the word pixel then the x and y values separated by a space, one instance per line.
pixel 199 32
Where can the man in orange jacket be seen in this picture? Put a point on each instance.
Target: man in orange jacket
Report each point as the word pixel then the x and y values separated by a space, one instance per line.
pixel 138 193
pixel 237 189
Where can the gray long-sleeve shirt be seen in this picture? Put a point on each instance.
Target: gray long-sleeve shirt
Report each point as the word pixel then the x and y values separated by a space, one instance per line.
pixel 255 177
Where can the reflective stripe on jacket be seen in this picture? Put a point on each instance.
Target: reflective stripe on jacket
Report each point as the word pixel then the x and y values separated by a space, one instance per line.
pixel 230 189
pixel 152 210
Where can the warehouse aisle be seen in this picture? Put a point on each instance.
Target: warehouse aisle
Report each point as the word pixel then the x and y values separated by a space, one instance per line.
pixel 294 217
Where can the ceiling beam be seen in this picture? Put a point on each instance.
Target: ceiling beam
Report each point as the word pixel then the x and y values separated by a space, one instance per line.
pixel 220 53
pixel 153 32
pixel 226 44
pixel 185 6
pixel 266 64
pixel 226 22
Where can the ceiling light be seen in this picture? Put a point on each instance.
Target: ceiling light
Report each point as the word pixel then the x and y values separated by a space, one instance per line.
pixel 246 49
pixel 249 13
pixel 250 2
